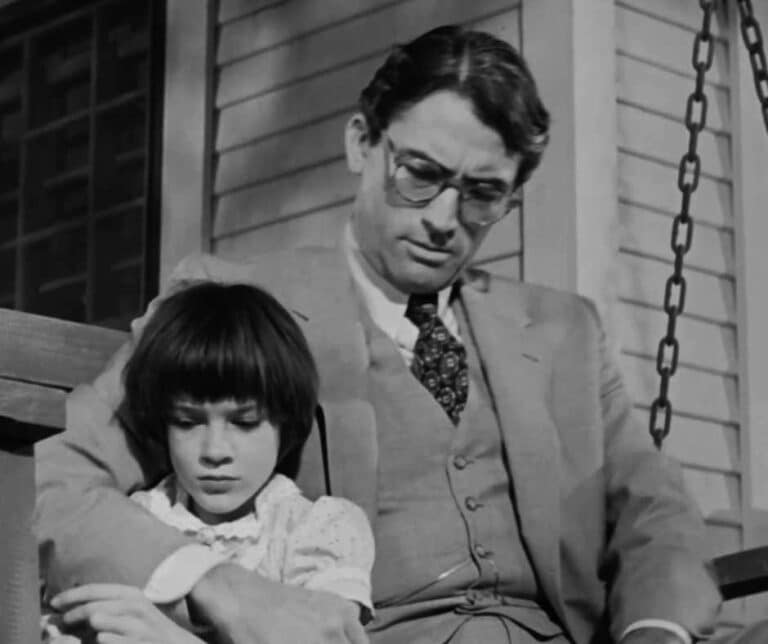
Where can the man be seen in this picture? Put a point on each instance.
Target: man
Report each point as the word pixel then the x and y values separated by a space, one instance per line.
pixel 479 421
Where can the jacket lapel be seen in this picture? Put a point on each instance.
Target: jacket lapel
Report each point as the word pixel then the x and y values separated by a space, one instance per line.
pixel 516 358
pixel 323 298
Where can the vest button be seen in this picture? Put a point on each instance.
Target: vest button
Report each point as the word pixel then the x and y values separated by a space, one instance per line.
pixel 471 503
pixel 482 551
pixel 460 462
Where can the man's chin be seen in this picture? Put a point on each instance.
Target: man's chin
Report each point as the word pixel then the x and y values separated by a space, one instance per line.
pixel 423 278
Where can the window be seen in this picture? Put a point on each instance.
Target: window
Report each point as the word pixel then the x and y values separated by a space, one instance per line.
pixel 79 115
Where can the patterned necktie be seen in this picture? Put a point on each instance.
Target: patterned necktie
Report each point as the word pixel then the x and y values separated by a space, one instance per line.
pixel 439 359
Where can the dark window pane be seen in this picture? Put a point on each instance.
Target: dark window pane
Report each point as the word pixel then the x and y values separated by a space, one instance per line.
pixel 120 154
pixel 61 71
pixel 7 275
pixel 58 176
pixel 124 49
pixel 79 122
pixel 8 218
pixel 118 238
pixel 120 295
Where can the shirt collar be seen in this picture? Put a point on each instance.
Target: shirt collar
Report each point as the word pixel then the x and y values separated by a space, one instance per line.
pixel 386 304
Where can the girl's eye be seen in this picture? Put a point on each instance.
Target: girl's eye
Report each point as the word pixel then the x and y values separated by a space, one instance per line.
pixel 247 423
pixel 183 423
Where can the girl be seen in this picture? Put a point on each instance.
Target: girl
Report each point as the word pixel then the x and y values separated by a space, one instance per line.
pixel 222 378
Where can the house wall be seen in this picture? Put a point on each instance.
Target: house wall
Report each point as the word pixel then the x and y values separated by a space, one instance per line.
pixel 288 79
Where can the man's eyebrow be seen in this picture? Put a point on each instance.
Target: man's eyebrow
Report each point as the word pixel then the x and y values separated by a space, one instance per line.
pixel 423 156
pixel 501 184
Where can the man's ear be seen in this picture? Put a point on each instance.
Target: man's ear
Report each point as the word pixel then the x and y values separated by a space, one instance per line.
pixel 357 142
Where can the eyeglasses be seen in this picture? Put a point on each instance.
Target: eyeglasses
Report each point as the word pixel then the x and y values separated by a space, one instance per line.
pixel 418 180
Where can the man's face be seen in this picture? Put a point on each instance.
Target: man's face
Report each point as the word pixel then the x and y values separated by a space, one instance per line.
pixel 422 248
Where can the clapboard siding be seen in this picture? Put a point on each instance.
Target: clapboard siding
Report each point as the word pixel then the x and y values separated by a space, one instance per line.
pixel 289 75
pixel 686 15
pixel 233 9
pixel 694 393
pixel 704 345
pixel 297 193
pixel 654 40
pixel 318 228
pixel 665 44
pixel 709 297
pixel 648 233
pixel 654 186
pixel 663 139
pixel 664 92
pixel 365 36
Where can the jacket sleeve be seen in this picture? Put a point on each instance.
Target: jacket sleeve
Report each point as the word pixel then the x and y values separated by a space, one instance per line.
pixel 655 564
pixel 87 528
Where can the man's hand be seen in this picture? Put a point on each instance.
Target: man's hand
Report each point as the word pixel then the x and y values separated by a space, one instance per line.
pixel 119 615
pixel 245 608
pixel 651 636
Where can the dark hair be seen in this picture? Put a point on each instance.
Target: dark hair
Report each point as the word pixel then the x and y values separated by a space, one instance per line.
pixel 214 341
pixel 487 71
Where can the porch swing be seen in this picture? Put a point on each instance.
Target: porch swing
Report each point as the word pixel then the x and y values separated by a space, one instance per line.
pixel 743 573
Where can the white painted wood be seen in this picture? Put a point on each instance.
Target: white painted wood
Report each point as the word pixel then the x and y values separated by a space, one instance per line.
pixel 317 97
pixel 665 44
pixel 654 185
pixel 703 444
pixel 751 214
pixel 286 20
pixel 232 9
pixel 664 92
pixel 369 34
pixel 649 233
pixel 702 344
pixel 320 141
pixel 183 228
pixel 666 140
pixel 684 14
pixel 570 203
pixel 693 393
pixel 295 194
pixel 643 280
pixel 318 228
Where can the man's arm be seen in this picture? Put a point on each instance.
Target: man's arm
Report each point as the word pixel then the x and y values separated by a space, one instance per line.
pixel 90 531
pixel 655 564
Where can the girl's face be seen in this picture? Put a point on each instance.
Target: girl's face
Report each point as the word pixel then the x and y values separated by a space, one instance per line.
pixel 223 453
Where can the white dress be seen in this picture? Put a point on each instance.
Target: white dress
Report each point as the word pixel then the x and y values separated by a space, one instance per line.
pixel 322 545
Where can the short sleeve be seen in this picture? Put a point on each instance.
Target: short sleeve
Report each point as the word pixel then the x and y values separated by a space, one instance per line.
pixel 332 549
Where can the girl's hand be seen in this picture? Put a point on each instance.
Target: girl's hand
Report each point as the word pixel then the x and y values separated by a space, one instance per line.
pixel 120 615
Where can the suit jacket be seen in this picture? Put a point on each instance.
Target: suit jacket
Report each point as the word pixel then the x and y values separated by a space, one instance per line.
pixel 612 534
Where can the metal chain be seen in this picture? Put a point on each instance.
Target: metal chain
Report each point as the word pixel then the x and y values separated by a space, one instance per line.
pixel 688 173
pixel 753 40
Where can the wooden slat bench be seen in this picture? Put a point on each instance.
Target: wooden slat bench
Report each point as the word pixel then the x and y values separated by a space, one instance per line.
pixel 41 359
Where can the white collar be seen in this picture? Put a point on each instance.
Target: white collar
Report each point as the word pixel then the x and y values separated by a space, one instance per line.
pixel 385 303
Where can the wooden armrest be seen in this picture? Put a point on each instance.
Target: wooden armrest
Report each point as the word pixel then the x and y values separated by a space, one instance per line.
pixel 743 573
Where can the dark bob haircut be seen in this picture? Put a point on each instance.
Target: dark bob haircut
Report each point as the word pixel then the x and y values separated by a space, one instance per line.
pixel 485 70
pixel 210 342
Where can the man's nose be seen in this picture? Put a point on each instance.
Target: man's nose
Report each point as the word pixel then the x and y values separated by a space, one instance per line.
pixel 215 448
pixel 441 216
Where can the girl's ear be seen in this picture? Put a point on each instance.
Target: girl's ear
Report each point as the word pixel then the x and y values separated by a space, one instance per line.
pixel 357 142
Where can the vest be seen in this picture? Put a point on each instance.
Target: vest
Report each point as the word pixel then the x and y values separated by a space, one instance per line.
pixel 450 564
